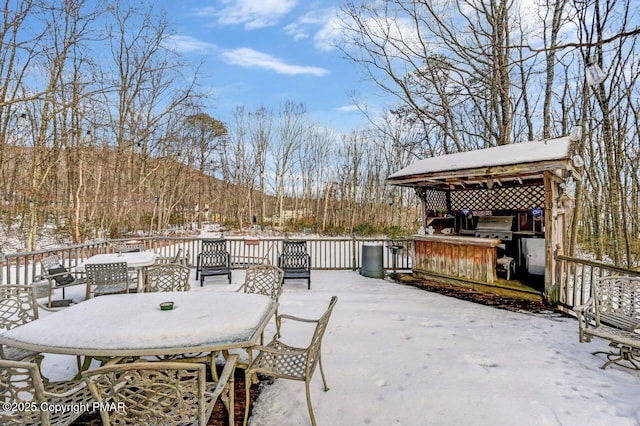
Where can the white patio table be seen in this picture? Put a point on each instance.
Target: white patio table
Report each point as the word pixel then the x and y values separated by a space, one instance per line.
pixel 135 260
pixel 126 325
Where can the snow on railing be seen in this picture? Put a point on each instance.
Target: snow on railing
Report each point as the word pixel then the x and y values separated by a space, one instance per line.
pixel 326 253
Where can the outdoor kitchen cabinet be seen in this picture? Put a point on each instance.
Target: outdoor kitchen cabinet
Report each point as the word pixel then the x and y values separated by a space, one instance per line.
pixel 461 257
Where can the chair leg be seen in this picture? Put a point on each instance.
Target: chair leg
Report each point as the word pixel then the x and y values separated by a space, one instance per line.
pixel 324 381
pixel 306 385
pixel 309 284
pixel 247 397
pixel 231 388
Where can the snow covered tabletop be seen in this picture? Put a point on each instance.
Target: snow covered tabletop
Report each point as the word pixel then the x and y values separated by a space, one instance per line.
pixel 134 324
pixel 133 259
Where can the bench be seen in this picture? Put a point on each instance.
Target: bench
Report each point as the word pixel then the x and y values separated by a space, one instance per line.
pixel 613 313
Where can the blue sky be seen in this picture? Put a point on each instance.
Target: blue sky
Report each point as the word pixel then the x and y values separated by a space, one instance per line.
pixel 266 52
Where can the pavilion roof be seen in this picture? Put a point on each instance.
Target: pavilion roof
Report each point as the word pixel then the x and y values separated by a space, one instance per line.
pixel 509 165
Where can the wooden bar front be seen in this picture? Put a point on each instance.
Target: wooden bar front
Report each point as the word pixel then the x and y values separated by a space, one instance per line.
pixel 460 257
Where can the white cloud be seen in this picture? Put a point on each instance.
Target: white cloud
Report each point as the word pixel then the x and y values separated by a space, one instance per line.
pixel 249 58
pixel 322 23
pixel 250 13
pixel 187 44
pixel 329 34
pixel 349 108
pixel 296 30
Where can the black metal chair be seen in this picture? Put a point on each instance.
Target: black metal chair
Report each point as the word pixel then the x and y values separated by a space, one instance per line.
pixel 295 261
pixel 59 277
pixel 213 259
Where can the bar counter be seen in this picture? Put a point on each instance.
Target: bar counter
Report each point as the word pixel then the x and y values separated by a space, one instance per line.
pixel 461 257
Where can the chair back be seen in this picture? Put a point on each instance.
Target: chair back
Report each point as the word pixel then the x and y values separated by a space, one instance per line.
pixel 167 277
pixel 18 305
pixel 294 255
pixel 21 384
pixel 214 245
pixel 130 248
pixel 214 253
pixel 150 393
pixel 107 278
pixel 313 351
pixel 50 262
pixel 264 279
pixel 618 295
pixel 178 257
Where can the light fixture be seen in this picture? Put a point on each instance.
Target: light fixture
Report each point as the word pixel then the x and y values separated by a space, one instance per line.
pixel 577 160
pixel 595 74
pixel 390 198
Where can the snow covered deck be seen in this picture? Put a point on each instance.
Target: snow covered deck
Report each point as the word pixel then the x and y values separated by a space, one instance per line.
pixel 395 354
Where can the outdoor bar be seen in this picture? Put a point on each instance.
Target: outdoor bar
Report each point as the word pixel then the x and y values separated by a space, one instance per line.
pixel 495 216
pixel 456 256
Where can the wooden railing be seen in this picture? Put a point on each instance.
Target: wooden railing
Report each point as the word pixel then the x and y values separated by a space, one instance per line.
pixel 326 253
pixel 576 276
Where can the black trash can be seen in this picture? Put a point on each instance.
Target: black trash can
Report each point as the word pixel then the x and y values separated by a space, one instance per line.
pixel 371 264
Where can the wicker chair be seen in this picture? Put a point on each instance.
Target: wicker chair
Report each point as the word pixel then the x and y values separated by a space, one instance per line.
pixel 279 360
pixel 160 392
pixel 59 277
pixel 213 259
pixel 295 261
pixel 18 306
pixel 107 278
pixel 21 385
pixel 167 277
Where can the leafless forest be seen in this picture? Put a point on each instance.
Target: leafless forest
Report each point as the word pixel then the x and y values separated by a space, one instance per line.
pixel 102 124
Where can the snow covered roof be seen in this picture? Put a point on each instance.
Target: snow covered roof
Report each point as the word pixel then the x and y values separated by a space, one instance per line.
pixel 522 160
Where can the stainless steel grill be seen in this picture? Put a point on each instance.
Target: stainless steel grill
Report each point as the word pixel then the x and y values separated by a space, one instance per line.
pixel 494 227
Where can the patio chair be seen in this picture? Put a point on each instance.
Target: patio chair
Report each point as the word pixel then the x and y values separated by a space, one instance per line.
pixel 59 277
pixel 21 385
pixel 279 360
pixel 266 280
pixel 213 259
pixel 178 258
pixel 160 392
pixel 295 261
pixel 18 306
pixel 263 279
pixel 107 278
pixel 167 277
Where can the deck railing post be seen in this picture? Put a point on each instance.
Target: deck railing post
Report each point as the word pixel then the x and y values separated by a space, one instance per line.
pixel 354 260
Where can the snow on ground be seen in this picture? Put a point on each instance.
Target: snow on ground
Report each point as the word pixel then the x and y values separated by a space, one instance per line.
pixel 395 354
